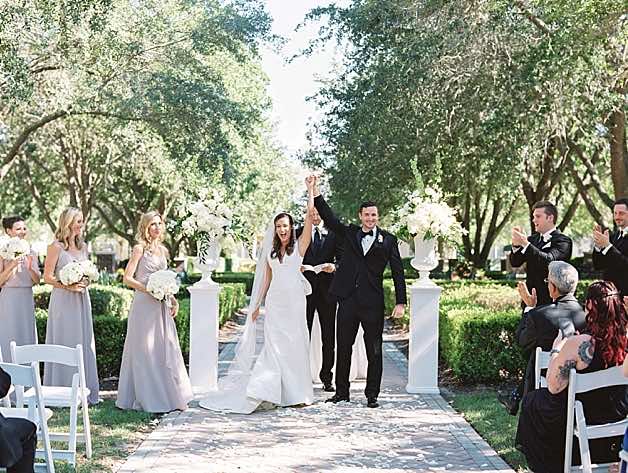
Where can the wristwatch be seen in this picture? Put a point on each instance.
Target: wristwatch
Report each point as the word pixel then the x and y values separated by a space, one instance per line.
pixel 554 351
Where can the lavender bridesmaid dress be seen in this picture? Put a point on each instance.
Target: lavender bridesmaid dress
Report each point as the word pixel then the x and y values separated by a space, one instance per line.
pixel 152 376
pixel 70 323
pixel 17 309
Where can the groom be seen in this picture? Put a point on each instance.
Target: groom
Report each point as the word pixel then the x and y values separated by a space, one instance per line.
pixel 358 288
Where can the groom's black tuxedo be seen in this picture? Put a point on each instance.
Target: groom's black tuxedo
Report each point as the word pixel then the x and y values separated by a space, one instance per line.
pixel 537 257
pixel 358 286
pixel 326 250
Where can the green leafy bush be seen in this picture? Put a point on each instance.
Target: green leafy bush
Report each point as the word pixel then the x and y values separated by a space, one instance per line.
pixel 110 330
pixel 106 300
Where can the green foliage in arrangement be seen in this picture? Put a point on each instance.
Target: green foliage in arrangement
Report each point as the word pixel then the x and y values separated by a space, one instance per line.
pixel 110 329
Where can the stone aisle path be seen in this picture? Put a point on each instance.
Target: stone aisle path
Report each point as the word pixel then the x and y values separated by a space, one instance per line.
pixel 408 433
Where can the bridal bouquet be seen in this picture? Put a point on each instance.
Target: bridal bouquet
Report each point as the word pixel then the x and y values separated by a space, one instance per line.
pixel 208 217
pixel 13 248
pixel 426 214
pixel 75 271
pixel 162 284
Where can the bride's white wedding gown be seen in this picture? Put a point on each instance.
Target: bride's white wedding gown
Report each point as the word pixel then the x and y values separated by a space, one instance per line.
pixel 281 373
pixel 359 362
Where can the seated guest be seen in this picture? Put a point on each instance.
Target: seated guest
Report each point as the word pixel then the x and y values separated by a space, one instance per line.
pixel 538 325
pixel 610 252
pixel 18 438
pixel 542 423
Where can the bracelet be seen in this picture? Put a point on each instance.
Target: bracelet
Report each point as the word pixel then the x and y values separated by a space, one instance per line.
pixel 553 351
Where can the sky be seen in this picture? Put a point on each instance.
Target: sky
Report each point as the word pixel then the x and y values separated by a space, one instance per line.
pixel 290 84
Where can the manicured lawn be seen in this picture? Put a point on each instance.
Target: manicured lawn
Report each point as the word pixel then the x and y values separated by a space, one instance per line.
pixel 489 418
pixel 115 435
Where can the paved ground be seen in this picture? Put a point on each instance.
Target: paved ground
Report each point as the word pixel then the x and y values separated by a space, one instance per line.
pixel 407 433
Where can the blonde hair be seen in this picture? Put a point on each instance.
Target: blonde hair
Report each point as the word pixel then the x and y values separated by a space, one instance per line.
pixel 64 230
pixel 143 236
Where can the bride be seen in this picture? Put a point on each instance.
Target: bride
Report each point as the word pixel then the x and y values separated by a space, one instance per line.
pixel 281 373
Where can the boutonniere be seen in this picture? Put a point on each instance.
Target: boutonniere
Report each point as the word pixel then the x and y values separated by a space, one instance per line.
pixel 324 231
pixel 380 238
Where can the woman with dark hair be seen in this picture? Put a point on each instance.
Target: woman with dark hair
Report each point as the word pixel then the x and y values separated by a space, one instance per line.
pixel 281 373
pixel 542 423
pixel 17 306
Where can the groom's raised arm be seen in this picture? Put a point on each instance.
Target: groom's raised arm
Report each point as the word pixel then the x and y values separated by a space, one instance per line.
pixel 328 215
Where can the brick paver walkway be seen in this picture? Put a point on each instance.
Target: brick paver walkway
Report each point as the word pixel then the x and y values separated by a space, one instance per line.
pixel 407 433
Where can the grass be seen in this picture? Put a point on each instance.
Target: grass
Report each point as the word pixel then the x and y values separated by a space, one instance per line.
pixel 115 435
pixel 489 418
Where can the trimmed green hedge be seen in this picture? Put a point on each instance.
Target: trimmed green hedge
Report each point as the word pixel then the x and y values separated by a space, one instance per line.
pixel 227 277
pixel 110 330
pixel 106 300
pixel 477 321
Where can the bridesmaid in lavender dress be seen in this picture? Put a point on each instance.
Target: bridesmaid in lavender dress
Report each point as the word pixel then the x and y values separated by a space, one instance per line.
pixel 152 376
pixel 17 307
pixel 70 309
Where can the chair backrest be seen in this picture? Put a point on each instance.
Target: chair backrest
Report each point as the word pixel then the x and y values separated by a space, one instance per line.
pixel 541 362
pixel 28 377
pixel 584 382
pixel 23 354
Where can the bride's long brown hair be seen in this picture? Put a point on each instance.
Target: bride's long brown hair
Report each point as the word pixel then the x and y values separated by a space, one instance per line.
pixel 276 251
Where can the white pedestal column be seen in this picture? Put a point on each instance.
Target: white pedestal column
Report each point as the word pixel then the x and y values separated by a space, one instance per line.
pixel 204 336
pixel 423 350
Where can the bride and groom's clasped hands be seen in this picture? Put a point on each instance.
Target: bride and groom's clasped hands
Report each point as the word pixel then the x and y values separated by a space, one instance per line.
pixel 351 259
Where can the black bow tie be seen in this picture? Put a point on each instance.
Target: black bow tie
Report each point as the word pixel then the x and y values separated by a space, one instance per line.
pixel 363 233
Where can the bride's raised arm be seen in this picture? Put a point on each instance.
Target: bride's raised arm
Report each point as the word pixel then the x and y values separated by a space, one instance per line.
pixel 306 235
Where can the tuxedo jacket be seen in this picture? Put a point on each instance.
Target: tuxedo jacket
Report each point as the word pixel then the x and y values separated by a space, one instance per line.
pixel 615 262
pixel 362 274
pixel 330 251
pixel 10 447
pixel 538 256
pixel 539 327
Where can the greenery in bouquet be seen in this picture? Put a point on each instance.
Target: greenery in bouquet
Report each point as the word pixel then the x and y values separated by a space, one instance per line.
pixel 426 213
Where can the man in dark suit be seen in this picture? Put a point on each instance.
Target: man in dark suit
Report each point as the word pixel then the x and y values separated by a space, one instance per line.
pixel 358 286
pixel 325 250
pixel 539 324
pixel 18 438
pixel 610 252
pixel 538 250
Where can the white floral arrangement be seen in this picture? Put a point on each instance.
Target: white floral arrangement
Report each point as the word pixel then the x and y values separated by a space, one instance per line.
pixel 162 284
pixel 13 248
pixel 209 217
pixel 75 271
pixel 427 215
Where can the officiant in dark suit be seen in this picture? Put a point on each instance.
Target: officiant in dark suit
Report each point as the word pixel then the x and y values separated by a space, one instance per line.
pixel 610 252
pixel 326 250
pixel 18 438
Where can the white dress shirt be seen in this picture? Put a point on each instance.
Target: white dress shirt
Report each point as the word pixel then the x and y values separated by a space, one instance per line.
pixel 368 241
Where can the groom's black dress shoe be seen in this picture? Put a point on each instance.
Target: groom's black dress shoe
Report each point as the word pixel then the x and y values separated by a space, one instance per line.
pixel 371 402
pixel 337 398
pixel 328 388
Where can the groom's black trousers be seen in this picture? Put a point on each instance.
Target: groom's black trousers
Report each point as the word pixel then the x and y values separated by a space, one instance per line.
pixel 320 301
pixel 352 313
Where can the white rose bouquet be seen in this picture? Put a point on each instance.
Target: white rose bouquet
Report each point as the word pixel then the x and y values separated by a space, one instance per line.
pixel 13 248
pixel 427 214
pixel 162 284
pixel 75 271
pixel 209 217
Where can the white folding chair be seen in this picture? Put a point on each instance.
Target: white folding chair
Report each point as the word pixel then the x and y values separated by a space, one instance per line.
pixel 73 397
pixel 36 412
pixel 541 362
pixel 576 422
pixel 6 400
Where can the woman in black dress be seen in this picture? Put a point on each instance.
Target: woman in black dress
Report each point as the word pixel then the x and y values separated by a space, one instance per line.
pixel 543 419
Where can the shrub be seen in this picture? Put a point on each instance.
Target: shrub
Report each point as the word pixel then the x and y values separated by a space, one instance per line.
pixel 110 330
pixel 106 300
pixel 221 278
